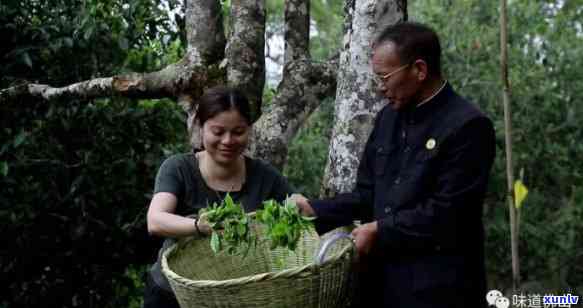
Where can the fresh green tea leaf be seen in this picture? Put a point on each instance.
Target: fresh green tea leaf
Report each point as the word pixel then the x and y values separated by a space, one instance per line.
pixel 231 230
pixel 230 227
pixel 284 223
pixel 215 242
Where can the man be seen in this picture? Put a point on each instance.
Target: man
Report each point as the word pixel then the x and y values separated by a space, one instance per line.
pixel 420 184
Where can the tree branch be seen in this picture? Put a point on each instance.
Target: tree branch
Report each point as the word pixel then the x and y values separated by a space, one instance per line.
pixel 246 50
pixel 297 30
pixel 169 82
pixel 306 84
pixel 86 89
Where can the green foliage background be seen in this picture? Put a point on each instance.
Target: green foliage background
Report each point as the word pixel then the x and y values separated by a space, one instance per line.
pixel 76 176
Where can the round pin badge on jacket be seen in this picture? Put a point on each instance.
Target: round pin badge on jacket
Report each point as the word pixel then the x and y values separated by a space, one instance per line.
pixel 430 144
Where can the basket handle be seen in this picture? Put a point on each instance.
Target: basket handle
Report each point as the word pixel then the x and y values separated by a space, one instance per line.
pixel 319 259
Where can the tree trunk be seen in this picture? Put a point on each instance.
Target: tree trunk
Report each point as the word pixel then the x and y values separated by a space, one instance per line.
pixel 245 50
pixel 357 101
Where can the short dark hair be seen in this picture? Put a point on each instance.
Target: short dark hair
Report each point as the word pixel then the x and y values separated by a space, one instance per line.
pixel 413 41
pixel 219 99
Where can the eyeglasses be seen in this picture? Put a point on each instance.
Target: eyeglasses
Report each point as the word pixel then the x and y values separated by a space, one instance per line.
pixel 380 79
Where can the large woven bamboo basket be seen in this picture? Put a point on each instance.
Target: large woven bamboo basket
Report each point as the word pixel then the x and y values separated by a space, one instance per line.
pixel 265 277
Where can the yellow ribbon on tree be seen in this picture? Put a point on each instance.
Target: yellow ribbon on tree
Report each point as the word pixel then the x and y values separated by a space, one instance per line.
pixel 520 192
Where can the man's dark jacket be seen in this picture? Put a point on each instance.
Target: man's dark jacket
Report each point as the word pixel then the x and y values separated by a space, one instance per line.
pixel 423 177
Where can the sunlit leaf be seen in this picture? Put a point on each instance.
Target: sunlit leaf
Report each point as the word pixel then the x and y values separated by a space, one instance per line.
pixel 26 59
pixel 4 168
pixel 68 42
pixel 123 43
pixel 19 139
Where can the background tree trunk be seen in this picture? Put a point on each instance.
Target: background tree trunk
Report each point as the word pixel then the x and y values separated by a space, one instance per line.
pixel 356 99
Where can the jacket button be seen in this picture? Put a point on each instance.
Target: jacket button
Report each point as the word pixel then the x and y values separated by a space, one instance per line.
pixel 437 248
pixel 397 181
pixel 387 210
pixel 380 149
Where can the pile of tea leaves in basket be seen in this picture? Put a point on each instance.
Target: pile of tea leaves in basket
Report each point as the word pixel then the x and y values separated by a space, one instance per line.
pixel 232 232
pixel 230 226
pixel 284 223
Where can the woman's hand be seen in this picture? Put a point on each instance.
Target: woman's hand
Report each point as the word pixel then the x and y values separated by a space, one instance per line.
pixel 203 225
pixel 162 221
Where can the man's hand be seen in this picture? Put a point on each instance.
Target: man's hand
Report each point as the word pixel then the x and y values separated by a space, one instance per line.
pixel 365 237
pixel 303 204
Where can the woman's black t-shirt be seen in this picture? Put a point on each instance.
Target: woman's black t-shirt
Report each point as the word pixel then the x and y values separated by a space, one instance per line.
pixel 180 175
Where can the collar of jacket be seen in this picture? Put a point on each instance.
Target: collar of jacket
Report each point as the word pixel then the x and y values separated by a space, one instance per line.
pixel 418 114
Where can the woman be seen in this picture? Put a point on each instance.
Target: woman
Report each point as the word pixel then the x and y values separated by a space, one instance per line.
pixel 188 182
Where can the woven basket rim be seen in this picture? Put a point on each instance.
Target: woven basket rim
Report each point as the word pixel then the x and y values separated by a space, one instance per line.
pixel 286 273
